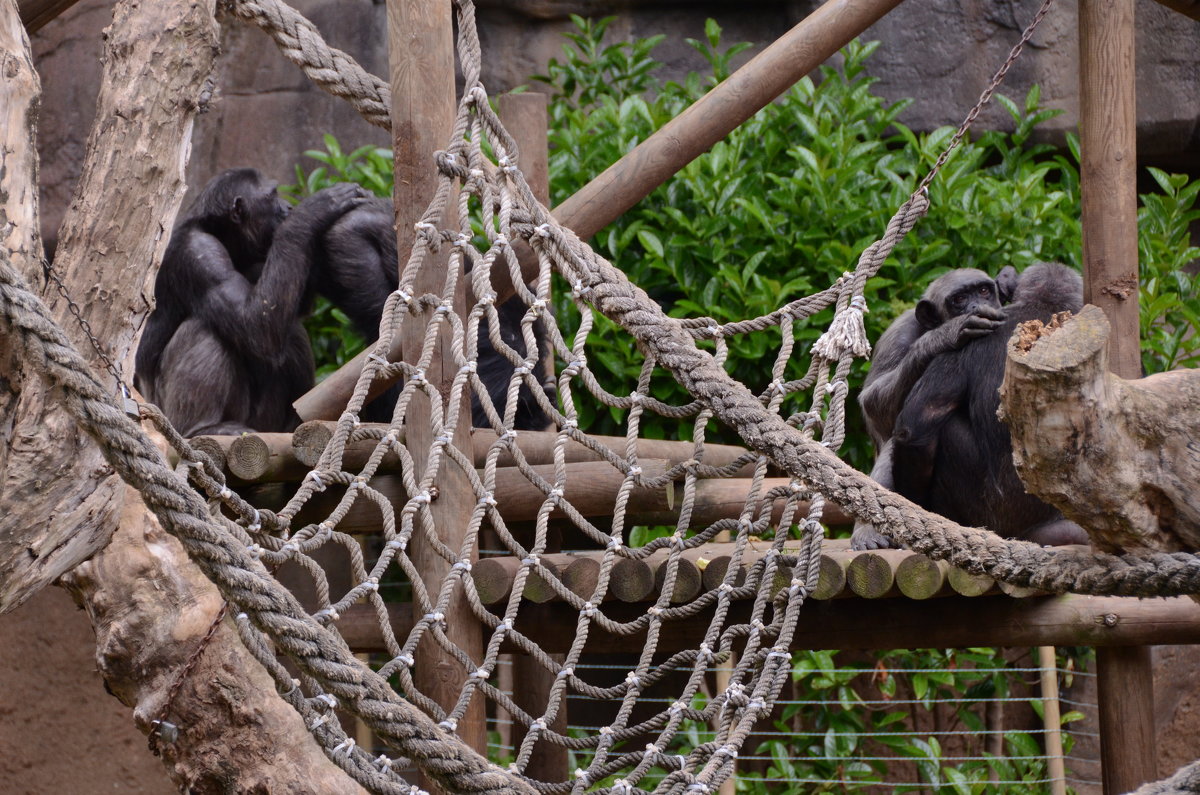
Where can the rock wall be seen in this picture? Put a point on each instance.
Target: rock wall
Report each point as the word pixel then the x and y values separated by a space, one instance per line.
pixel 939 52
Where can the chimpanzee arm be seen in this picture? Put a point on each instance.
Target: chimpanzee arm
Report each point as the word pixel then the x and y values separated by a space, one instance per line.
pixel 256 319
pixel 935 398
pixel 865 536
pixel 883 397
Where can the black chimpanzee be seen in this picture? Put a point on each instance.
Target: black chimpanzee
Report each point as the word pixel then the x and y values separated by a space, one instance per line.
pixel 358 270
pixel 957 307
pixel 224 351
pixel 952 455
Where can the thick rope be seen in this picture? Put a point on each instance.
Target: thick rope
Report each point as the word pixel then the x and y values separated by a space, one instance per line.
pixel 972 549
pixel 318 652
pixel 330 68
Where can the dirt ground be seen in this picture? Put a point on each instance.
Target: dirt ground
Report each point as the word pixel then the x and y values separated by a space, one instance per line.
pixel 60 732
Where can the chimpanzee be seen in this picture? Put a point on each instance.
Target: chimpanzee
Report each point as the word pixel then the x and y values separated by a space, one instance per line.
pixel 224 351
pixel 357 270
pixel 952 455
pixel 957 307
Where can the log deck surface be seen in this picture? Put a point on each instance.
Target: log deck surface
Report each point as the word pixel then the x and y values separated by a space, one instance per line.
pixel 878 599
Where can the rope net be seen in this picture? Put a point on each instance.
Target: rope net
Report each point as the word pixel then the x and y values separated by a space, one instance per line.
pixel 483 210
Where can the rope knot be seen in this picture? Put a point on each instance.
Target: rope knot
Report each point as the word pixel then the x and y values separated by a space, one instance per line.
pixel 846 334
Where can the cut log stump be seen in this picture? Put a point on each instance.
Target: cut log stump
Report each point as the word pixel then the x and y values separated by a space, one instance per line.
pixel 1120 457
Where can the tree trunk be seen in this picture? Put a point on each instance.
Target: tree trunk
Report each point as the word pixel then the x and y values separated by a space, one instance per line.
pixel 1120 457
pixel 151 607
pixel 59 501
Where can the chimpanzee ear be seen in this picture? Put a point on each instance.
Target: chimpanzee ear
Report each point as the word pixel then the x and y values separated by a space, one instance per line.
pixel 237 213
pixel 1006 283
pixel 928 315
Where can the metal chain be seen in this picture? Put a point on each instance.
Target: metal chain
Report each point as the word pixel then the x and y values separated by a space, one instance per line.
pixel 160 728
pixel 128 403
pixel 985 97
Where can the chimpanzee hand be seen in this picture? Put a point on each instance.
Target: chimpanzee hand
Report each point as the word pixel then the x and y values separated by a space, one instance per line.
pixel 964 328
pixel 319 212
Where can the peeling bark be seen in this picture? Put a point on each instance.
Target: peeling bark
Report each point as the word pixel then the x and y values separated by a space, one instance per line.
pixel 1120 457
pixel 59 501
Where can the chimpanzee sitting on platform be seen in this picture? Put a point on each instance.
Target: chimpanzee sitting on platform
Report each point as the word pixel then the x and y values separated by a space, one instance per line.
pixel 224 350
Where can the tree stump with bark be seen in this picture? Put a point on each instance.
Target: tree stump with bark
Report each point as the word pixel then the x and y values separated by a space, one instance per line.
pixel 1120 457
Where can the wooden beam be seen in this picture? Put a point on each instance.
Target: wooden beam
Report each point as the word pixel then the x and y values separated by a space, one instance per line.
pixel 310 439
pixel 1108 172
pixel 1066 620
pixel 36 13
pixel 1108 180
pixel 680 141
pixel 421 60
pixel 590 489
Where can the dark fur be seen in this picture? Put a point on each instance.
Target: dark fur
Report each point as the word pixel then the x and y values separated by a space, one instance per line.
pixel 358 270
pixel 224 351
pixel 951 454
pixel 957 307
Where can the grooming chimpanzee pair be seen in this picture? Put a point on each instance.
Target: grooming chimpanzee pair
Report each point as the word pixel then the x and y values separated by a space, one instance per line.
pixel 931 396
pixel 225 351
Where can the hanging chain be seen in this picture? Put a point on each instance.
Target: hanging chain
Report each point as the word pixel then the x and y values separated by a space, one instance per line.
pixel 127 402
pixel 985 97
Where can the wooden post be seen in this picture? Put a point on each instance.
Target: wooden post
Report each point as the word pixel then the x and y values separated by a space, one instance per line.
pixel 1052 721
pixel 1128 756
pixel 1108 173
pixel 421 55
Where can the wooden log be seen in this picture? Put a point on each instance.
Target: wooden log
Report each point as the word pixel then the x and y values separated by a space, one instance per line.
pixel 1116 456
pixel 264 458
pixel 1108 172
pixel 632 580
pixel 310 439
pixel 421 68
pixel 967 584
pixel 216 448
pixel 581 575
pixel 918 577
pixel 832 580
pixel 872 574
pixel 591 489
pixel 1125 692
pixel 689 580
pixel 1019 591
pixel 1067 620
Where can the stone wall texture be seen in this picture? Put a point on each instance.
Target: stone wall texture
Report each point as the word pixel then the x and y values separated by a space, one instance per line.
pixel 265 114
pixel 938 52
